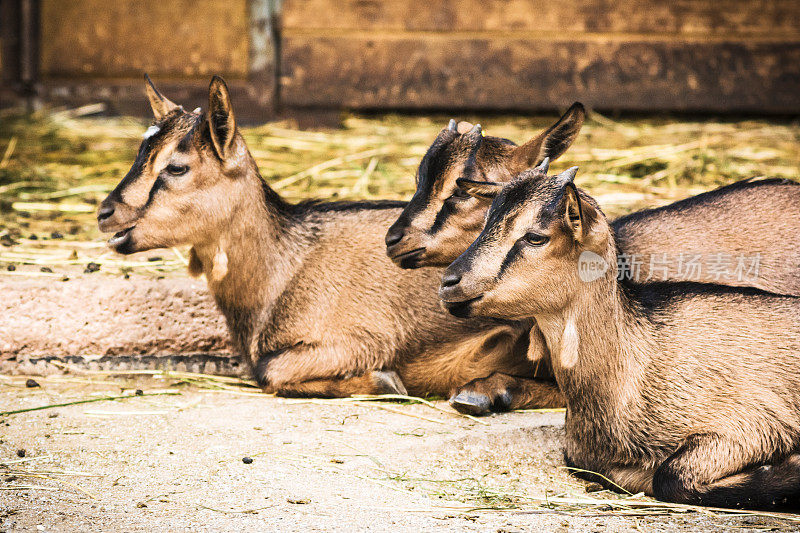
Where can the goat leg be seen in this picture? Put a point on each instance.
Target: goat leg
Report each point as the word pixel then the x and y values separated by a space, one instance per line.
pixel 715 471
pixel 374 382
pixel 501 392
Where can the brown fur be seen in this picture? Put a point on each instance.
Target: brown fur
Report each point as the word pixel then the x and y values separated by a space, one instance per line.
pixel 311 300
pixel 689 392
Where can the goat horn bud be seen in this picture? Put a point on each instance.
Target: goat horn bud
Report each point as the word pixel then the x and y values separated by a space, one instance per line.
pixel 544 166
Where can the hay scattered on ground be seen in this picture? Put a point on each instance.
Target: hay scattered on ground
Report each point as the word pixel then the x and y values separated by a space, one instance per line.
pixel 55 168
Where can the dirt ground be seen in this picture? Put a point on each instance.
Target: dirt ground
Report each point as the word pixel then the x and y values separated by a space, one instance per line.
pixel 175 463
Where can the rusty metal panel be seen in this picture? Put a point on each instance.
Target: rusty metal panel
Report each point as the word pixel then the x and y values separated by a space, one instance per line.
pixel 123 38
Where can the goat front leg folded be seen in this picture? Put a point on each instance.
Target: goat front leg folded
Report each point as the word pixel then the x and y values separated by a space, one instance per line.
pixel 715 471
pixel 501 392
pixel 323 371
pixel 373 382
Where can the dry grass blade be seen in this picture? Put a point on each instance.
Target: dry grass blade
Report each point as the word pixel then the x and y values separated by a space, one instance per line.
pixel 31 274
pixel 385 398
pixel 24 460
pixel 45 206
pixel 20 185
pixel 416 399
pixel 28 487
pixel 398 411
pixel 243 511
pixel 336 161
pixel 73 191
pixel 69 484
pixel 581 470
pixel 89 400
pixel 8 153
pixel 644 506
pixel 236 392
pixel 195 377
pixel 50 473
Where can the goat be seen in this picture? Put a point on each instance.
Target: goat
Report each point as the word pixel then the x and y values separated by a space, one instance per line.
pixel 443 218
pixel 311 301
pixel 697 239
pixel 689 392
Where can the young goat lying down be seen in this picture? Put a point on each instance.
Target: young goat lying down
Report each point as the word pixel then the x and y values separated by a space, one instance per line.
pixel 705 238
pixel 686 391
pixel 310 299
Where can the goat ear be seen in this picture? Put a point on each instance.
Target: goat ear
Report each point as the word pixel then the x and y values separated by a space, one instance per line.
pixel 161 106
pixel 552 142
pixel 221 122
pixel 573 210
pixel 573 206
pixel 479 189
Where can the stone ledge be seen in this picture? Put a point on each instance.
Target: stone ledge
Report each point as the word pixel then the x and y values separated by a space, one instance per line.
pixel 112 323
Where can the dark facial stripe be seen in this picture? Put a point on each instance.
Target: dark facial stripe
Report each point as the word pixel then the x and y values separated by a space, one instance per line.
pixel 145 151
pixel 508 260
pixel 157 186
pixel 441 218
pixel 433 163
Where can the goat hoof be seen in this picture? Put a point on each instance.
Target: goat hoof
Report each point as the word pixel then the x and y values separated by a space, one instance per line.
pixel 470 403
pixel 388 382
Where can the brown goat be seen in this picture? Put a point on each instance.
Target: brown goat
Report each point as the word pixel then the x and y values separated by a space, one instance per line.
pixel 686 391
pixel 311 301
pixel 442 218
pixel 702 238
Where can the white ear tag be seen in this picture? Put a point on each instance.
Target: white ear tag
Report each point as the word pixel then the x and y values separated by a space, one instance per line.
pixel 152 130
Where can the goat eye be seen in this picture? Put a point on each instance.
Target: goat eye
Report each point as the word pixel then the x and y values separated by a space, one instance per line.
pixel 458 194
pixel 534 239
pixel 177 170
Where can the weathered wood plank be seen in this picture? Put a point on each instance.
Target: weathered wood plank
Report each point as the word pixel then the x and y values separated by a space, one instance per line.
pixel 521 74
pixel 9 42
pixel 184 38
pixel 701 17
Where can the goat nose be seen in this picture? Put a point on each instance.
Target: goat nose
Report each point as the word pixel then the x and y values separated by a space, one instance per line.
pixel 394 236
pixel 105 212
pixel 450 279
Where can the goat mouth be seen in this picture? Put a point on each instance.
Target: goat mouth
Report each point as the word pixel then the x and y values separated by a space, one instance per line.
pixel 120 237
pixel 461 308
pixel 409 259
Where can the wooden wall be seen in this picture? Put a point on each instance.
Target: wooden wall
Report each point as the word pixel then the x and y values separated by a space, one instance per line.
pixel 521 55
pixel 123 38
pixel 723 55
pixel 93 51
